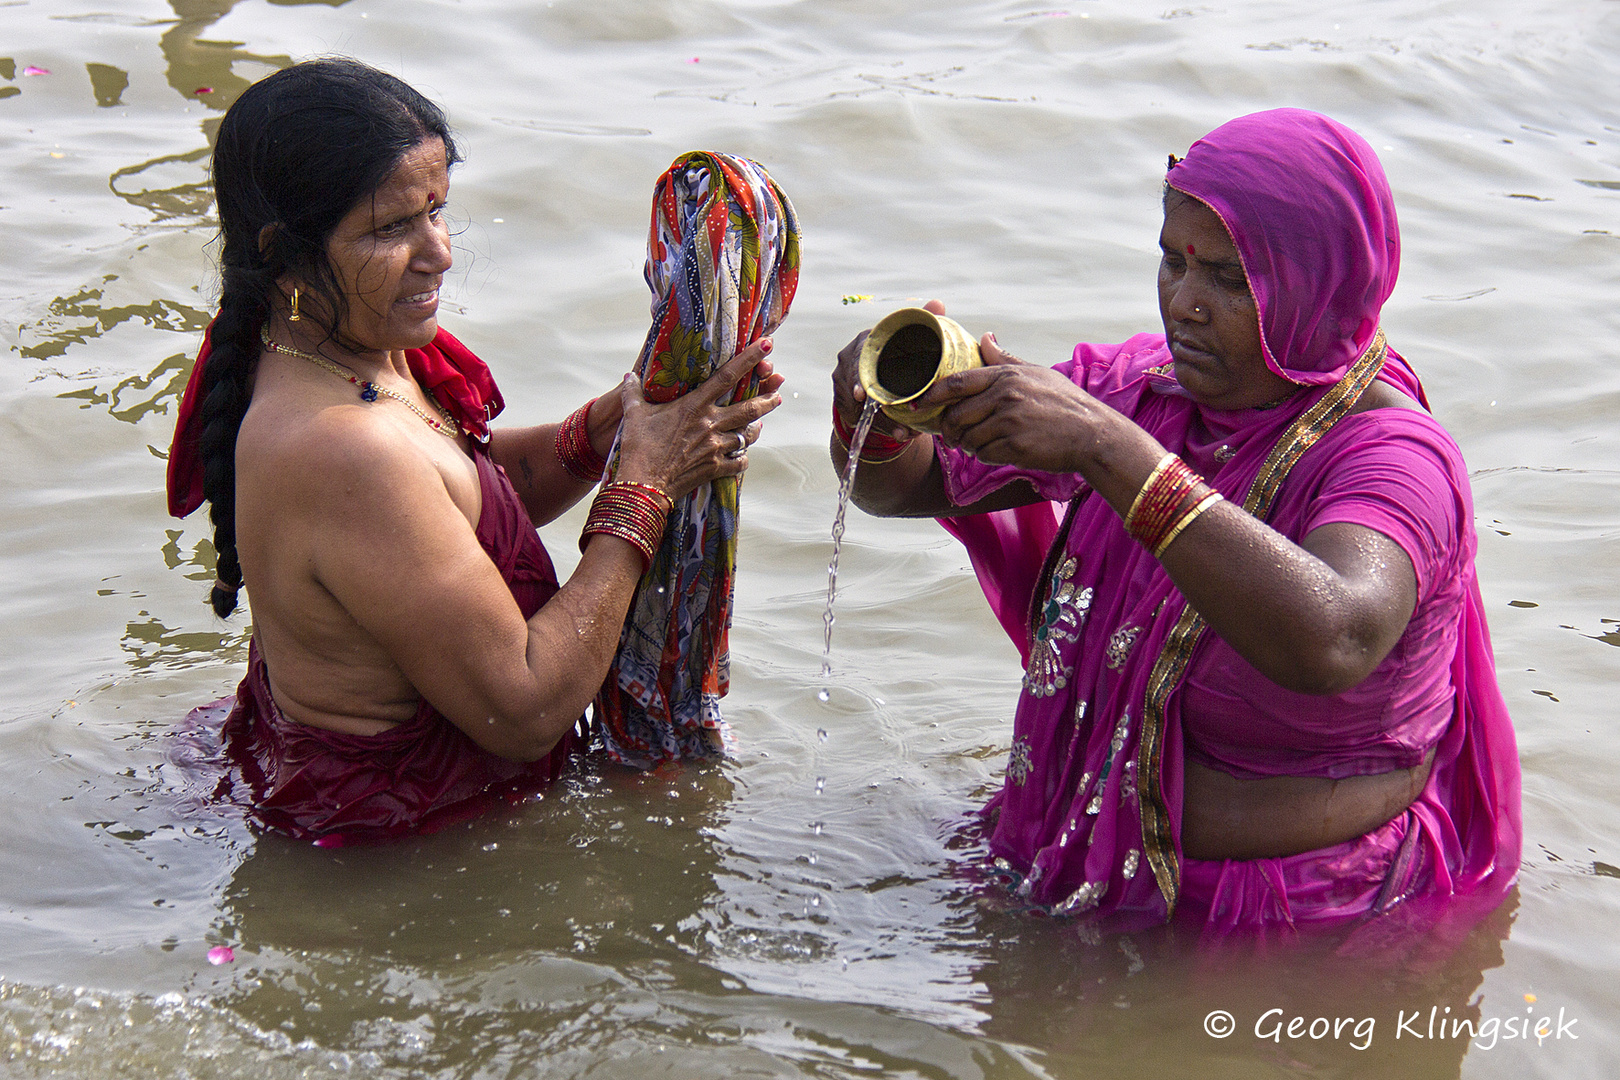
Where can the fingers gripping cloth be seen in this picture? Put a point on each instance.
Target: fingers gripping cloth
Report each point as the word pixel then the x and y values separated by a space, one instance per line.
pixel 723 264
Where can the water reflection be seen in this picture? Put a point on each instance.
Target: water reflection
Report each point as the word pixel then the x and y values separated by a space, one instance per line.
pixel 108 84
pixel 1141 1002
pixel 601 884
pixel 172 187
pixel 151 644
pixel 87 318
pixel 136 396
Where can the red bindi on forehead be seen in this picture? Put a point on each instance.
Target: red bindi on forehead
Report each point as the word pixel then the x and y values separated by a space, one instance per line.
pixel 1190 250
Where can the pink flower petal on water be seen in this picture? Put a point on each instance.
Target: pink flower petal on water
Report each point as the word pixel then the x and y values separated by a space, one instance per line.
pixel 203 90
pixel 693 60
pixel 221 954
pixel 32 70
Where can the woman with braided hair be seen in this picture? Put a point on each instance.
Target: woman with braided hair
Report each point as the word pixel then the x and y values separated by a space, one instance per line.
pixel 413 653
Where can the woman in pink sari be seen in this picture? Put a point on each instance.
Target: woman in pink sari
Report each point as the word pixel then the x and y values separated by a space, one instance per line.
pixel 1259 689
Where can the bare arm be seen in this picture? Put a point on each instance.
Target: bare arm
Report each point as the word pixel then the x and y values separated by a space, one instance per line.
pixel 529 456
pixel 1315 617
pixel 405 563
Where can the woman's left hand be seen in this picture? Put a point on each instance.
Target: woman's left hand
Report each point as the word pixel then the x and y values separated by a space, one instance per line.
pixel 1010 412
pixel 607 411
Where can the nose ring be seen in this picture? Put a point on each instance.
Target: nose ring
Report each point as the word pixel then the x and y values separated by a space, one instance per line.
pixel 1197 310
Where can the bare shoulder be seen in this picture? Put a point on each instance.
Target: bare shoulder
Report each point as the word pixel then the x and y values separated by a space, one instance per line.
pixel 335 462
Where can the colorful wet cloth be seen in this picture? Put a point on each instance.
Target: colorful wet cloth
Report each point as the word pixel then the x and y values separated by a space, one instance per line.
pixel 418 776
pixel 1123 682
pixel 723 264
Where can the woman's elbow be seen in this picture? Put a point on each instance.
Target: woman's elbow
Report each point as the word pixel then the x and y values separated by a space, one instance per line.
pixel 515 741
pixel 1323 669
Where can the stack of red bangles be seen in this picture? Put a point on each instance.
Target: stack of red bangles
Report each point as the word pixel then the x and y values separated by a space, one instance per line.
pixel 1156 516
pixel 574 449
pixel 631 511
pixel 877 448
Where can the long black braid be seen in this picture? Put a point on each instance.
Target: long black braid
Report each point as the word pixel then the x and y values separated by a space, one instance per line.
pixel 295 153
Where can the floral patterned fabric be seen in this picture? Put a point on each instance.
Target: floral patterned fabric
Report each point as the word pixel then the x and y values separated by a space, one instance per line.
pixel 723 264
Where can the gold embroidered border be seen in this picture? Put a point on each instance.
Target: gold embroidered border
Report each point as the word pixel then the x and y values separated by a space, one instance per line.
pixel 1157 842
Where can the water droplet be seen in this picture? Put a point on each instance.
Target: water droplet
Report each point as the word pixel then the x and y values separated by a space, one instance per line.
pixel 491 846
pixel 821 784
pixel 672 793
pixel 813 859
pixel 815 901
pixel 821 734
pixel 822 695
pixel 816 827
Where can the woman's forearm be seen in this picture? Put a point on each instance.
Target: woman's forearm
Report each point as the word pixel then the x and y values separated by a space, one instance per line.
pixel 529 456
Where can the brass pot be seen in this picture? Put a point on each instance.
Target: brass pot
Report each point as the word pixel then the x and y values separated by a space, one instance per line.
pixel 908 351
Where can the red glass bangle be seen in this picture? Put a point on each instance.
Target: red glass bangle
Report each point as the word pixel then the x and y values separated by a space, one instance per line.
pixel 878 446
pixel 1156 513
pixel 574 449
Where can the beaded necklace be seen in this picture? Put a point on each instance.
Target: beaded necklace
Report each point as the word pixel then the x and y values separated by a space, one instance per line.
pixel 446 425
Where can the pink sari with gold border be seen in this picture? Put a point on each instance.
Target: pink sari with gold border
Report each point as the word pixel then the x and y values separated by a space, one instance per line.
pixel 1088 821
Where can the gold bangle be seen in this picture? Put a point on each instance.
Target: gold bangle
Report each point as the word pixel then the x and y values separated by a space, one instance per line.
pixel 1187 519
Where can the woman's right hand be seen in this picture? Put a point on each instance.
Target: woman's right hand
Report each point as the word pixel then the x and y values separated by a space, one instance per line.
pixel 678 445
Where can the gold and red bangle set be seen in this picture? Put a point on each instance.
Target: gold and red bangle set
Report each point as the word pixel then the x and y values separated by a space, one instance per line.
pixel 878 447
pixel 632 512
pixel 1157 515
pixel 574 449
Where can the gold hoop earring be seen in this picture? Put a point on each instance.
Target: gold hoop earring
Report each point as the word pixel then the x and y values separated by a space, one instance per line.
pixel 292 316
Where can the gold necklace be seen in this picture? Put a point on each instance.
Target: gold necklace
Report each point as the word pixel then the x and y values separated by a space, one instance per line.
pixel 445 426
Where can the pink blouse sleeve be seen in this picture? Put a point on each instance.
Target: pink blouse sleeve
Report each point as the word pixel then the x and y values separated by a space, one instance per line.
pixel 1399 473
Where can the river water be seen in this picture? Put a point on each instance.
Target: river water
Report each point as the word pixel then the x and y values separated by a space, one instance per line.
pixel 800 910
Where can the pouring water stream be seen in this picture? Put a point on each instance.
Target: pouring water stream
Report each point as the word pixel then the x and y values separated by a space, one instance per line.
pixel 845 485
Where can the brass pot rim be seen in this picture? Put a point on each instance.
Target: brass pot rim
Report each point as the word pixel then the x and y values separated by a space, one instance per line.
pixel 880 334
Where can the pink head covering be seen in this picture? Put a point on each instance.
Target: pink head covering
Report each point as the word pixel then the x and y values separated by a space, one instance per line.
pixel 1310 211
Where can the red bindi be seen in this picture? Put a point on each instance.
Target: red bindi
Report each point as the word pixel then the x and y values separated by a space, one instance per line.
pixel 1190 250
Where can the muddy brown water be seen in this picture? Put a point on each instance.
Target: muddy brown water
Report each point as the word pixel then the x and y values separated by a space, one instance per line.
pixel 804 910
